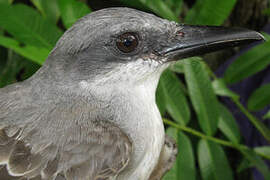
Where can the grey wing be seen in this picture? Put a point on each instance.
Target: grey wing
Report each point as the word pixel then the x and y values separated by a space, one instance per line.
pixel 109 149
pixel 58 140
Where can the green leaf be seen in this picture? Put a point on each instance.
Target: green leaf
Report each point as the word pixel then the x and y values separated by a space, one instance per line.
pixel 257 162
pixel 260 126
pixel 160 99
pixel 27 26
pixel 16 68
pixel 175 6
pixel 138 4
pixel 33 53
pixel 161 9
pixel 202 95
pixel 210 12
pixel 260 98
pixel 244 164
pixel 228 125
pixel 267 115
pixel 213 162
pixel 71 11
pixel 221 89
pixel 265 150
pixel 178 67
pixel 251 62
pixel 176 103
pixel 4 1
pixel 184 167
pixel 266 36
pixel 48 8
pixel 157 6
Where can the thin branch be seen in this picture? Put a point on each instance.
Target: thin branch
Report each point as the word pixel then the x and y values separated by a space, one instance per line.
pixel 211 138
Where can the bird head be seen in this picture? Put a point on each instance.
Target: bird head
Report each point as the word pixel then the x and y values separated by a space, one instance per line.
pixel 125 45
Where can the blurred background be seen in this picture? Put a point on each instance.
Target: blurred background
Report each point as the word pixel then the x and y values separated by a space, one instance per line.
pixel 216 107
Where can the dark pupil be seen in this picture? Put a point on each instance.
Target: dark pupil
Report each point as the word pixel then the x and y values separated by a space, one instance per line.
pixel 128 41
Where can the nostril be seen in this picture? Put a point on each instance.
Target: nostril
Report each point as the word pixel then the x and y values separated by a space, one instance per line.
pixel 180 33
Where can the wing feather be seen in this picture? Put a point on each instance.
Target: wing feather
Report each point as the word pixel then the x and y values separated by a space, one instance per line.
pixel 69 138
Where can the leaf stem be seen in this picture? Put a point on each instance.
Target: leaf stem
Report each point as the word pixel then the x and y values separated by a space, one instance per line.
pixel 211 138
pixel 257 123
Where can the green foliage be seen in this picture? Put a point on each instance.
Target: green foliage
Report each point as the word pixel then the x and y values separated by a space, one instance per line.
pixel 157 6
pixel 26 25
pixel 228 125
pixel 210 12
pixel 221 89
pixel 249 63
pixel 184 167
pixel 260 98
pixel 174 98
pixel 175 6
pixel 213 162
pixel 267 11
pixel 256 161
pixel 196 117
pixel 49 9
pixel 160 99
pixel 16 67
pixel 263 150
pixel 267 115
pixel 34 53
pixel 71 11
pixel 202 95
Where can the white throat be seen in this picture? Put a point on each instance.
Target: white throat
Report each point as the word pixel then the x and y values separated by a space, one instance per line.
pixel 133 103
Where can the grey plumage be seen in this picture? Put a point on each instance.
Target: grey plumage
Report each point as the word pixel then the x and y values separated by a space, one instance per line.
pixel 57 123
pixel 90 112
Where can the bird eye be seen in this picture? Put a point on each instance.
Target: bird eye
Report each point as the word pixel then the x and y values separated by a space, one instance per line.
pixel 127 42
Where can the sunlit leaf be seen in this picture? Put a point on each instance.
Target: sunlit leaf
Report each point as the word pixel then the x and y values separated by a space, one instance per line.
pixel 221 89
pixel 27 26
pixel 260 98
pixel 202 95
pixel 267 115
pixel 227 124
pixel 213 162
pixel 210 12
pixel 71 11
pixel 266 36
pixel 178 67
pixel 251 62
pixel 37 55
pixel 48 8
pixel 176 103
pixel 184 167
pixel 265 150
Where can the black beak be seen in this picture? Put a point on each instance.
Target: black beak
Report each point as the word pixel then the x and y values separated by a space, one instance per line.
pixel 197 40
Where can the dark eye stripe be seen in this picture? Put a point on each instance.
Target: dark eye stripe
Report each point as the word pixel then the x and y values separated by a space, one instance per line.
pixel 127 42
